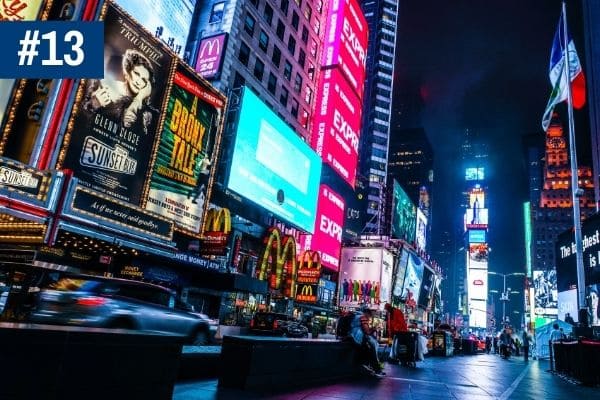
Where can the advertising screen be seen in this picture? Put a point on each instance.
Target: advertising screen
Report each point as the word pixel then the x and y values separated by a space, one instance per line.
pixel 567 304
pixel 404 215
pixel 336 129
pixel 474 174
pixel 362 275
pixel 346 41
pixel 478 284
pixel 211 51
pixel 566 263
pixel 113 131
pixel 421 233
pixel 413 278
pixel 476 218
pixel 478 314
pixel 477 198
pixel 356 205
pixel 593 295
pixel 478 256
pixel 545 293
pixel 400 273
pixel 169 20
pixel 186 150
pixel 273 167
pixel 477 236
pixel 426 288
pixel 327 238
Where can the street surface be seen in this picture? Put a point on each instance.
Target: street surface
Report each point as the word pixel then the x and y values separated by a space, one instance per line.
pixel 461 377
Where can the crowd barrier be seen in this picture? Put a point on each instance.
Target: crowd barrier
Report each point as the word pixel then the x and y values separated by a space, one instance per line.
pixel 576 358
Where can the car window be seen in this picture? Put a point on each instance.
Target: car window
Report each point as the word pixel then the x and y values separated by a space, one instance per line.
pixel 143 293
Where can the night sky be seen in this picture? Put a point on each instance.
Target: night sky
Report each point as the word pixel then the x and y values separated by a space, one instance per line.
pixel 481 65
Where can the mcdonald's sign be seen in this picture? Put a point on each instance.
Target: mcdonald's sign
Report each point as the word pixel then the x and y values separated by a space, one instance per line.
pixel 309 267
pixel 210 55
pixel 217 226
pixel 307 294
pixel 278 263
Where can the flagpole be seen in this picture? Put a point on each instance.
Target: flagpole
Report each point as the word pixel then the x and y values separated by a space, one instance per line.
pixel 575 190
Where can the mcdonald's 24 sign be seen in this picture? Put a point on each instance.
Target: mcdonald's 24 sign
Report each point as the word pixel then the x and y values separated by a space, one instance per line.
pixel 210 55
pixel 307 293
pixel 216 232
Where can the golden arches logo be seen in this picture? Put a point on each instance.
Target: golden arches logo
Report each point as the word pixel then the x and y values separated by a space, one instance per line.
pixel 308 258
pixel 307 294
pixel 218 220
pixel 278 253
pixel 307 290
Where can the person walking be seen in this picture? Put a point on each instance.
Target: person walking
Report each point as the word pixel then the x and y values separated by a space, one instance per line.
pixel 526 339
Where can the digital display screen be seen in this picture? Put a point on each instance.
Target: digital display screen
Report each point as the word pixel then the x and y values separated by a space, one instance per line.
pixel 404 215
pixel 477 236
pixel 474 174
pixel 273 167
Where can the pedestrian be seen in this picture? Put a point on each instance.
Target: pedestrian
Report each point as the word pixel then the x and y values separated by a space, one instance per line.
pixel 555 335
pixel 362 334
pixel 526 339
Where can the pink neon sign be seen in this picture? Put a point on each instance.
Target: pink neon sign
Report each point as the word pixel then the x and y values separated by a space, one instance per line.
pixel 336 128
pixel 210 55
pixel 346 41
pixel 327 238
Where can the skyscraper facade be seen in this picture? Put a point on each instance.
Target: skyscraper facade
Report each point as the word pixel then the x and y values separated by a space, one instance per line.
pixel 381 17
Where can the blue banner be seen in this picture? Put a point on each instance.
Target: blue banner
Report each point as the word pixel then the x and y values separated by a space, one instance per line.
pixel 52 49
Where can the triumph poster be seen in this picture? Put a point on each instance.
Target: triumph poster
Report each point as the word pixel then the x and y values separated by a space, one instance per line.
pixel 115 125
pixel 186 151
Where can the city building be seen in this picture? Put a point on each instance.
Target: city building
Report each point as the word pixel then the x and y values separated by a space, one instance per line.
pixel 381 17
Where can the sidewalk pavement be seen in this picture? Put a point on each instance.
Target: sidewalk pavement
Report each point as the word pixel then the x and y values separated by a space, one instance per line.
pixel 461 377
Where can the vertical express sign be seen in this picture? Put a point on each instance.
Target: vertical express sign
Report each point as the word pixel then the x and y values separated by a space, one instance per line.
pixel 114 127
pixel 187 148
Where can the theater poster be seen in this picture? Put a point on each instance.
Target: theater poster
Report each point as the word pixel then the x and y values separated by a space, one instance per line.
pixel 186 151
pixel 114 125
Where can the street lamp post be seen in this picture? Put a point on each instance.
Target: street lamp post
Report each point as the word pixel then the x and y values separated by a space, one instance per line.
pixel 504 296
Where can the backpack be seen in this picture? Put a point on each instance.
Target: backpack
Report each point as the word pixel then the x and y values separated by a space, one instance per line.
pixel 344 325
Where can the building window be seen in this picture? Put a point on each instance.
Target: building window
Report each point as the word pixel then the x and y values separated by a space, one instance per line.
pixel 313 48
pixel 263 41
pixel 301 58
pixel 216 14
pixel 239 80
pixel 295 20
pixel 272 83
pixel 249 24
pixel 304 118
pixel 259 69
pixel 254 2
pixel 268 15
pixel 294 109
pixel 308 93
pixel 298 2
pixel 298 83
pixel 319 6
pixel 304 34
pixel 307 12
pixel 280 29
pixel 276 57
pixel 284 6
pixel 317 26
pixel 244 54
pixel 311 71
pixel 283 97
pixel 287 70
pixel 292 44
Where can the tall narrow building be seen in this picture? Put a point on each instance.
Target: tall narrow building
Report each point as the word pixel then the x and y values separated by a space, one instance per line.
pixel 381 17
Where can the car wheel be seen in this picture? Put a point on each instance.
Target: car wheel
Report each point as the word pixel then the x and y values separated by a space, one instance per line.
pixel 201 338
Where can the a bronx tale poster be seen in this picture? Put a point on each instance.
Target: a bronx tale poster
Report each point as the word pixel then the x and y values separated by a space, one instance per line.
pixel 186 151
pixel 13 11
pixel 117 119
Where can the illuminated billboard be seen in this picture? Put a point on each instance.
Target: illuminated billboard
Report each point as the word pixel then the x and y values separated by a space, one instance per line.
pixel 187 148
pixel 477 284
pixel 211 51
pixel 327 238
pixel 346 41
pixel 478 314
pixel 474 174
pixel 477 236
pixel 168 20
pixel 478 256
pixel 273 167
pixel 414 276
pixel 398 279
pixel 421 232
pixel 336 129
pixel 366 276
pixel 477 198
pixel 476 218
pixel 404 215
pixel 545 293
pixel 426 288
